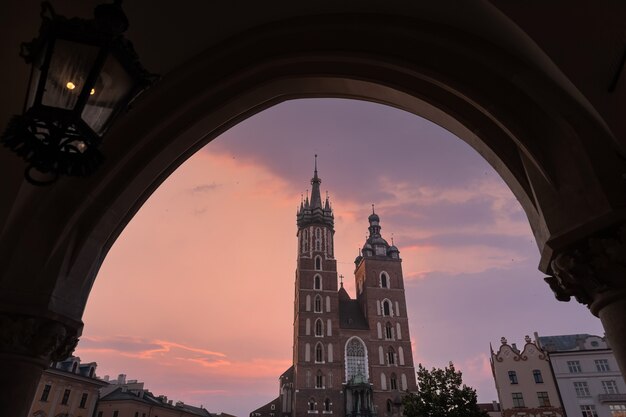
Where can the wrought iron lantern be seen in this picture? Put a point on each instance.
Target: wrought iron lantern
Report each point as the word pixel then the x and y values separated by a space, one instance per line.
pixel 84 74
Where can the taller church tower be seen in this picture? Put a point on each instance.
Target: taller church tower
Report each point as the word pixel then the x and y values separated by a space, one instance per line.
pixel 351 357
pixel 317 369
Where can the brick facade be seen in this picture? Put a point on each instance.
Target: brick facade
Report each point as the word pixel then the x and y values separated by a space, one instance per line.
pixel 372 328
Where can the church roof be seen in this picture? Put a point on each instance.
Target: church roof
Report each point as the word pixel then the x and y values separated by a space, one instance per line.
pixel 343 294
pixel 351 315
pixel 288 373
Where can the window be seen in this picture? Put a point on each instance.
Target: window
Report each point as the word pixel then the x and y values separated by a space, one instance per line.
pixel 544 400
pixel 319 353
pixel 582 389
pixel 116 413
pixel 319 328
pixel 588 410
pixel 327 404
pixel 609 387
pixel 513 377
pixel 393 382
pixel 273 406
pixel 83 401
pixel 317 307
pixel 66 397
pixel 518 400
pixel 618 410
pixel 391 356
pixel 574 367
pixel 537 376
pixel 384 280
pixel 100 414
pixel 319 380
pixel 136 413
pixel 305 241
pixel 318 239
pixel 356 362
pixel 317 282
pixel 602 365
pixel 312 404
pixel 46 392
pixel 318 263
pixel 389 405
pixel 388 331
pixel 386 308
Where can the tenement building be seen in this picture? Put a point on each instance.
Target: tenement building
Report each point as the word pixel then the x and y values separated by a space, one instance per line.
pixel 351 356
pixel 524 381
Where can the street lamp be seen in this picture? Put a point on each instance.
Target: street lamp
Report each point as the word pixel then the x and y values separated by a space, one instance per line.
pixel 84 73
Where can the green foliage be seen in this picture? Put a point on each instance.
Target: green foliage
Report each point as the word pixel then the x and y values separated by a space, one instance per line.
pixel 441 393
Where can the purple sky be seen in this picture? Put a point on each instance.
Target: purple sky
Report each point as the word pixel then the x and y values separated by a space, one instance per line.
pixel 206 266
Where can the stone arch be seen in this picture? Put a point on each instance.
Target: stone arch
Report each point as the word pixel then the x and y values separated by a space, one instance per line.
pixel 512 104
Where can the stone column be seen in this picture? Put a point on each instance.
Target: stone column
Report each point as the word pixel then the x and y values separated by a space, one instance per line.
pixel 594 273
pixel 28 345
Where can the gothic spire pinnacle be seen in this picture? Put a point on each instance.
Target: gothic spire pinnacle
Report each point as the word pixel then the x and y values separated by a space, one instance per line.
pixel 316 198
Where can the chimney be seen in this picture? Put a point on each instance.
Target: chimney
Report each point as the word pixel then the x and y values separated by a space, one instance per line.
pixel 106 378
pixel 496 406
pixel 121 379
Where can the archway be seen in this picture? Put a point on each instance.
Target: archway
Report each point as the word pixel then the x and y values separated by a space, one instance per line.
pixel 555 154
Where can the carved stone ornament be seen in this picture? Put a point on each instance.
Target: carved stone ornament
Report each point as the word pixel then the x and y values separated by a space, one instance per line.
pixel 598 266
pixel 36 337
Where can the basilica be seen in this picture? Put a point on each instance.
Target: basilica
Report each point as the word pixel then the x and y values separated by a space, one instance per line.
pixel 351 356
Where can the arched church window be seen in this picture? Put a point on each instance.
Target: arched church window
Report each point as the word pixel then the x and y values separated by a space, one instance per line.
pixel 318 239
pixel 318 304
pixel 319 328
pixel 305 241
pixel 393 382
pixel 356 359
pixel 327 404
pixel 389 406
pixel 388 331
pixel 312 404
pixel 386 308
pixel 319 353
pixel 391 356
pixel 319 379
pixel 318 263
pixel 384 280
pixel 317 282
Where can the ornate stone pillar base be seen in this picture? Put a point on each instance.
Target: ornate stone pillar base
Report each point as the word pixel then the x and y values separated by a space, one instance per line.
pixel 27 346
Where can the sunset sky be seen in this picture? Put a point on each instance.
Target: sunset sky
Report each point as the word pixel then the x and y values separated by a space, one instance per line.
pixel 196 296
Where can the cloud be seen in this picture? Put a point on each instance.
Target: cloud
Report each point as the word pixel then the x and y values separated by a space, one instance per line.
pixel 187 359
pixel 204 188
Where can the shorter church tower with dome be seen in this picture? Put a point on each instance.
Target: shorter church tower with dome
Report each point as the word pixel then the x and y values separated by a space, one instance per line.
pixel 351 356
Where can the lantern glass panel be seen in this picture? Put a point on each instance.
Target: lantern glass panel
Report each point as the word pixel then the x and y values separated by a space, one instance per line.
pixel 69 68
pixel 35 76
pixel 110 91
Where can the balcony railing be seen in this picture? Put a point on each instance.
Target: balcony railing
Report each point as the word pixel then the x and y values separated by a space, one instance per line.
pixel 612 398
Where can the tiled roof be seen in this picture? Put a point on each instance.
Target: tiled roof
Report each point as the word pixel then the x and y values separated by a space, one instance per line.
pixel 562 342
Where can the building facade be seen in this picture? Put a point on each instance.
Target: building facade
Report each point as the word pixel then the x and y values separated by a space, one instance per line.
pixel 524 381
pixel 351 356
pixel 587 375
pixel 122 398
pixel 67 388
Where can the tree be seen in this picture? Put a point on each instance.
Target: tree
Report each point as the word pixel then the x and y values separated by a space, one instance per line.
pixel 441 394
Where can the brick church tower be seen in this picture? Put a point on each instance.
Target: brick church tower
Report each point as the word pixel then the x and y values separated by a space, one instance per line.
pixel 351 357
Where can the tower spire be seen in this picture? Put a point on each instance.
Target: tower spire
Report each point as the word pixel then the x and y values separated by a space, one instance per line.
pixel 316 198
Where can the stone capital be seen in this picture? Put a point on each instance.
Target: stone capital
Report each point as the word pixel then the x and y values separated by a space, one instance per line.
pixel 593 272
pixel 40 339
